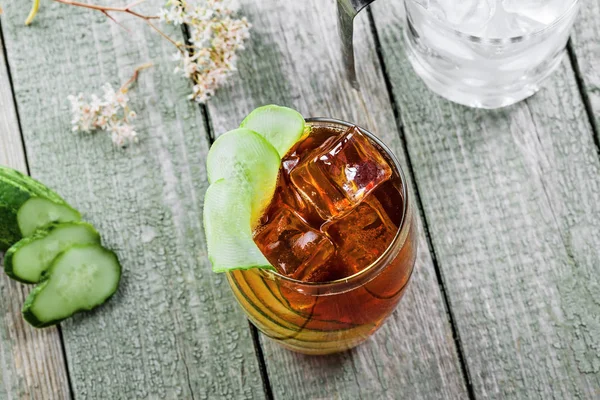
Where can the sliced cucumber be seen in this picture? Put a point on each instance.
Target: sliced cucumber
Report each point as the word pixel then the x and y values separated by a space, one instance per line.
pixel 80 278
pixel 281 126
pixel 243 166
pixel 26 205
pixel 245 158
pixel 37 212
pixel 228 227
pixel 29 258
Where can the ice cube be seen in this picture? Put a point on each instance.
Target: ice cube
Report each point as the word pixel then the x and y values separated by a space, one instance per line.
pixel 505 24
pixel 545 12
pixel 337 177
pixel 468 16
pixel 362 235
pixel 292 246
pixel 286 195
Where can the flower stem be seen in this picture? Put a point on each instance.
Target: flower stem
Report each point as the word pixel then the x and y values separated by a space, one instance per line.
pixel 161 33
pixel 134 77
pixel 127 10
pixel 104 9
pixel 34 9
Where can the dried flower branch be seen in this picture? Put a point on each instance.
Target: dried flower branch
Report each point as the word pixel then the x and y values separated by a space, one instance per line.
pixel 111 113
pixel 106 10
pixel 103 9
pixel 208 60
pixel 215 38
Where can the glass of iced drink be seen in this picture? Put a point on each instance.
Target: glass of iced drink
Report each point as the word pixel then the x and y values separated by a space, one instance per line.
pixel 487 53
pixel 341 235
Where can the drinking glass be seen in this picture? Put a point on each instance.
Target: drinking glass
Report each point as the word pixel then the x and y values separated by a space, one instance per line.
pixel 487 53
pixel 322 318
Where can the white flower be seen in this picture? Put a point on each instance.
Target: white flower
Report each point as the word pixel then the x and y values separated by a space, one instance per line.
pixel 95 104
pixel 122 133
pixel 215 38
pixel 110 113
pixel 121 99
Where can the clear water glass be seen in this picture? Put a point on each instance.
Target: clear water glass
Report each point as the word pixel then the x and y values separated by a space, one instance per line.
pixel 487 53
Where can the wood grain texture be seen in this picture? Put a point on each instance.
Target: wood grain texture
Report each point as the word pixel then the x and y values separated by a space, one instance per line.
pixel 293 60
pixel 31 360
pixel 512 200
pixel 11 146
pixel 586 47
pixel 172 330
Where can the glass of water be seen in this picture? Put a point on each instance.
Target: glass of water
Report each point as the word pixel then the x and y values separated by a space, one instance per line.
pixel 487 53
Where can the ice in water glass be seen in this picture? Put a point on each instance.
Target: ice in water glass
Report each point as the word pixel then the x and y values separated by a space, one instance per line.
pixel 487 53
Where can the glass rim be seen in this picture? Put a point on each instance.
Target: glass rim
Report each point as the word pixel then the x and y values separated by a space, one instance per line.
pixel 513 39
pixel 377 265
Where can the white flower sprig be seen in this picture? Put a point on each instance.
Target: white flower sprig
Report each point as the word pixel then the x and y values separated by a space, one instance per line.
pixel 208 59
pixel 111 113
pixel 215 38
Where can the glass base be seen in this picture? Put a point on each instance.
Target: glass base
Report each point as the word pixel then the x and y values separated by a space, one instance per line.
pixel 459 91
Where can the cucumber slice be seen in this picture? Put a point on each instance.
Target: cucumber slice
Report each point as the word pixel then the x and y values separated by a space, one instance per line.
pixel 228 227
pixel 80 278
pixel 247 159
pixel 37 212
pixel 281 126
pixel 29 258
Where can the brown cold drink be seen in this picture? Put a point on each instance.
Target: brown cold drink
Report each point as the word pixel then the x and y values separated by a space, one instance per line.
pixel 340 233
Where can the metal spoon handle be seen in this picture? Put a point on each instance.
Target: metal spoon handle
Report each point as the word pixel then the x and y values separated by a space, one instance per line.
pixel 357 5
pixel 347 10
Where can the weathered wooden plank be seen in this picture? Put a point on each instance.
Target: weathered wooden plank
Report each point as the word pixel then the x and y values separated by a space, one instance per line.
pixel 293 60
pixel 11 147
pixel 512 200
pixel 31 360
pixel 586 47
pixel 172 330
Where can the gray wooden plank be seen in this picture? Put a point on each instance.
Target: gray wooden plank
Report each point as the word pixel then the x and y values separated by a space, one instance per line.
pixel 32 361
pixel 11 146
pixel 172 330
pixel 512 200
pixel 586 47
pixel 293 60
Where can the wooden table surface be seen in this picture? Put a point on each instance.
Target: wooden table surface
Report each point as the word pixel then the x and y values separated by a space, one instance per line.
pixel 505 299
